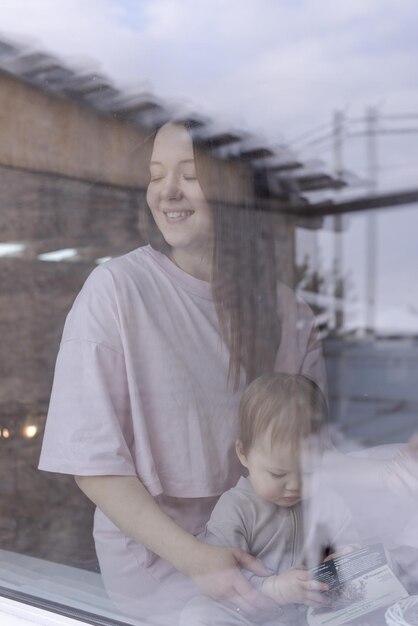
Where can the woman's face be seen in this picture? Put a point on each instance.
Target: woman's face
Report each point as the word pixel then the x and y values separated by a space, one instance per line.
pixel 174 195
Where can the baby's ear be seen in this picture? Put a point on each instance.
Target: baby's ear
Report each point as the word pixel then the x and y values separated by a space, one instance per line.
pixel 240 452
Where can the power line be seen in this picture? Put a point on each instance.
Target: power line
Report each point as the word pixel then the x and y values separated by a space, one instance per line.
pixel 395 116
pixel 404 116
pixel 351 120
pixel 309 133
pixel 326 137
pixel 385 131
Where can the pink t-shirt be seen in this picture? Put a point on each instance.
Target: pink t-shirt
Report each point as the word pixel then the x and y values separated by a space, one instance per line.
pixel 140 386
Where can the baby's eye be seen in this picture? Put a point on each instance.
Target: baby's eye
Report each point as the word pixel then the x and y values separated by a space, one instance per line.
pixel 189 177
pixel 277 475
pixel 154 179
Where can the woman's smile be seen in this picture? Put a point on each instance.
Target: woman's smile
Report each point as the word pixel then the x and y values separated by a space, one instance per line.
pixel 174 216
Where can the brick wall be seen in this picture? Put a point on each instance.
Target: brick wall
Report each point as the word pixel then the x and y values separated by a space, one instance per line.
pixel 41 514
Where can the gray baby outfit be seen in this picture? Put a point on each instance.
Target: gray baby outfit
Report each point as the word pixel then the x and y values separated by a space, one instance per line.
pixel 282 537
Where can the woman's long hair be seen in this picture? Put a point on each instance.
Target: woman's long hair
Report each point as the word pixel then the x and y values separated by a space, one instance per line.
pixel 244 270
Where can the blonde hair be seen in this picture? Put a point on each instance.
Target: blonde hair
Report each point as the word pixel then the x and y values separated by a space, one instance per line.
pixel 292 405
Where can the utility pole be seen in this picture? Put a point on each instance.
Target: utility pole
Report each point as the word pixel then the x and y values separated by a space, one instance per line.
pixel 338 315
pixel 371 220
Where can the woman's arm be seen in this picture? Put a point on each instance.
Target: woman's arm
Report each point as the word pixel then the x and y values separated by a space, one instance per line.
pixel 214 569
pixel 126 502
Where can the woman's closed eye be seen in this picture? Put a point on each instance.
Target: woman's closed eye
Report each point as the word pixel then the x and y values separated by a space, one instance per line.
pixel 156 177
pixel 156 173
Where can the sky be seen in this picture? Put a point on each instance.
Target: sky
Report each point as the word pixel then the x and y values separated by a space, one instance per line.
pixel 278 68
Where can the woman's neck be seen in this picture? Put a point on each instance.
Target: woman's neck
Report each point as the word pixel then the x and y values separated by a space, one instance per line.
pixel 198 265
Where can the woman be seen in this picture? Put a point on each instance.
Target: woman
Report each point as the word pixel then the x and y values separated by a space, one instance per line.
pixel 155 352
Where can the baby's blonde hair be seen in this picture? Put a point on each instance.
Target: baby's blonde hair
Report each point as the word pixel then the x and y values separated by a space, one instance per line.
pixel 291 404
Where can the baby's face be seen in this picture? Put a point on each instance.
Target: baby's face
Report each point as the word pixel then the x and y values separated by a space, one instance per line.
pixel 277 472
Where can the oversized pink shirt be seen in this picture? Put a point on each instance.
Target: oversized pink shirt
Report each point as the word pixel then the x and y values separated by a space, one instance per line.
pixel 140 386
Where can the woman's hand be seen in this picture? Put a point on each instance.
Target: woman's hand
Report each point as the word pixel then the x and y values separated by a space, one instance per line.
pixel 216 571
pixel 296 586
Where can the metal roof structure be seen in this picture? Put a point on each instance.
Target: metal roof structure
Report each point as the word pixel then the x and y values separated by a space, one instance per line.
pixel 146 110
pixel 283 173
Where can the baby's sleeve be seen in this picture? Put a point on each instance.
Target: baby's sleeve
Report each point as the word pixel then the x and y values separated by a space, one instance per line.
pixel 230 526
pixel 88 428
pixel 226 526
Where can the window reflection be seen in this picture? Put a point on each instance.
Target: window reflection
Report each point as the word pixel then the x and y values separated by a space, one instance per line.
pixel 71 201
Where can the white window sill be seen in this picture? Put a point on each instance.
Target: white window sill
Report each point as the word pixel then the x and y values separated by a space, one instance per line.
pixel 51 583
pixel 14 613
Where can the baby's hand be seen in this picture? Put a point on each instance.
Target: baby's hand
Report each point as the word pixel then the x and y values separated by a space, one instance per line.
pixel 296 586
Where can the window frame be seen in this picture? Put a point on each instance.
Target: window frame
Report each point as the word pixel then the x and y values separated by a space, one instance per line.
pixel 24 606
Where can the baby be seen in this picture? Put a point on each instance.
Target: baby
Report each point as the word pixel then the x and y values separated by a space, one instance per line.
pixel 275 513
